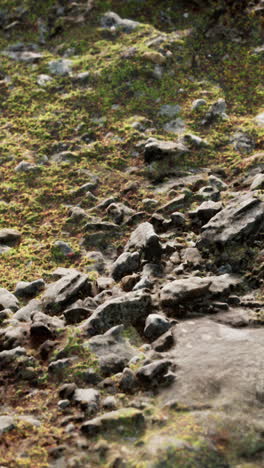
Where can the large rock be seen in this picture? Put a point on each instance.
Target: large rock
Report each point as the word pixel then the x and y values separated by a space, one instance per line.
pixel 65 290
pixel 156 150
pixel 145 241
pixel 8 300
pixel 242 218
pixel 126 264
pixel 186 290
pixel 118 421
pixel 129 309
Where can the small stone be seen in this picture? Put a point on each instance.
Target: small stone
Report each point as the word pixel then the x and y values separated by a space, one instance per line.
pixel 26 289
pixel 7 423
pixel 60 67
pixel 198 103
pixel 9 236
pixel 109 403
pixel 155 326
pixel 63 404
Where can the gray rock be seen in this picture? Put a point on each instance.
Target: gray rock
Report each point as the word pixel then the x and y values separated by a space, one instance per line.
pixel 242 218
pixel 60 67
pixel 154 374
pixel 149 203
pixel 109 403
pixel 119 212
pixel 82 77
pixel 206 211
pixel 43 80
pixel 88 399
pixel 24 56
pixel 145 241
pixel 24 314
pixel 175 204
pixel 13 336
pixel 57 367
pixel 156 150
pixel 258 182
pixel 65 290
pixel 130 309
pixel 9 236
pixel 115 421
pixel 61 248
pixel 112 20
pixel 155 326
pixel 217 110
pixel 8 300
pixel 96 261
pixel 243 142
pixel 143 283
pixel 217 183
pixel 63 156
pixel 189 289
pixel 126 264
pixel 8 356
pixel 128 381
pixel 76 313
pixel 191 256
pixel 26 289
pixel 194 141
pixel 25 166
pixel 178 220
pixel 7 423
pixel 164 342
pixel 209 193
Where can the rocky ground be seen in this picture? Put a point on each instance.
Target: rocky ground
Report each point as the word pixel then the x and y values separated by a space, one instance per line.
pixel 131 234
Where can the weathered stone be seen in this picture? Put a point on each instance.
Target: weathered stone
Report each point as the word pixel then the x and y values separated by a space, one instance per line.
pixel 145 241
pixel 130 309
pixel 26 289
pixel 60 67
pixel 88 399
pixel 112 20
pixel 65 290
pixel 156 150
pixel 258 182
pixel 7 423
pixel 153 375
pixel 243 217
pixel 175 204
pixel 8 300
pixel 115 421
pixel 76 313
pixel 206 211
pixel 128 381
pixel 24 314
pixel 9 236
pixel 155 326
pixel 126 264
pixel 164 342
pixel 8 356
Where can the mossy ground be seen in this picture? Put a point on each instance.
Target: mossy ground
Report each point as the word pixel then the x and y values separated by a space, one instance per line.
pixel 37 122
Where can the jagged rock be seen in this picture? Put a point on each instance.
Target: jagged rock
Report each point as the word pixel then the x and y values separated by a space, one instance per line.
pixel 119 212
pixel 175 204
pixel 76 313
pixel 189 289
pixel 218 109
pixel 155 326
pixel 156 150
pixel 7 423
pixel 169 110
pixel 126 264
pixel 206 211
pixel 240 219
pixel 112 20
pixel 130 309
pixel 13 336
pixel 39 332
pixel 96 261
pixel 61 248
pixel 113 350
pixel 164 342
pixel 175 126
pixel 209 193
pixel 9 236
pixel 8 356
pixel 88 399
pixel 145 241
pixel 153 375
pixel 217 183
pixel 115 421
pixel 128 381
pixel 67 390
pixel 243 142
pixel 128 282
pixel 8 300
pixel 194 141
pixel 178 220
pixel 258 182
pixel 109 403
pixel 24 314
pixel 192 256
pixel 149 204
pixel 26 289
pixel 24 56
pixel 143 283
pixel 65 290
pixel 56 367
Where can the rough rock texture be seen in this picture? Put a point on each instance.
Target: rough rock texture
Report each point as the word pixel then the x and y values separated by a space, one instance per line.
pixel 145 241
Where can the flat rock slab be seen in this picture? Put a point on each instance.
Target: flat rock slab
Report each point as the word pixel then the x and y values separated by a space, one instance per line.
pixel 217 365
pixel 242 217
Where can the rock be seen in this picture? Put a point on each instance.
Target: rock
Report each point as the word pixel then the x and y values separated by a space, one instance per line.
pixel 115 421
pixel 8 300
pixel 144 283
pixel 128 282
pixel 60 67
pixel 206 211
pixel 128 381
pixel 56 368
pixel 96 261
pixel 153 375
pixel 149 204
pixel 175 204
pixel 126 264
pixel 88 399
pixel 119 212
pixel 178 220
pixel 109 403
pixel 260 119
pixel 217 183
pixel 155 326
pixel 130 309
pixel 258 182
pixel 7 423
pixel 164 342
pixel 189 289
pixel 156 150
pixel 175 126
pixel 82 77
pixel 24 314
pixel 26 289
pixel 76 313
pixel 169 110
pixel 113 350
pixel 8 356
pixel 112 20
pixel 243 142
pixel 24 56
pixel 154 57
pixel 192 256
pixel 145 241
pixel 194 141
pixel 217 110
pixel 65 290
pixel 13 336
pixel 62 249
pixel 240 219
pixel 25 166
pixel 209 193
pixel 198 103
pixel 39 332
pixel 66 391
pixel 9 236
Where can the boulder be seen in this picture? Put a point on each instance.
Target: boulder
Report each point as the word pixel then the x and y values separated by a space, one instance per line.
pixel 145 241
pixel 126 264
pixel 156 150
pixel 8 300
pixel 155 326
